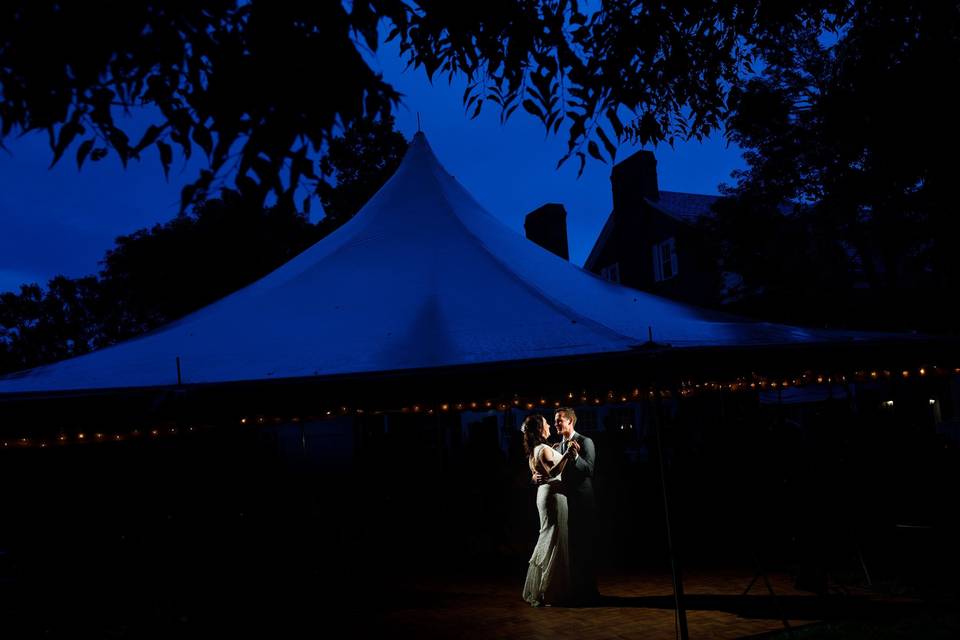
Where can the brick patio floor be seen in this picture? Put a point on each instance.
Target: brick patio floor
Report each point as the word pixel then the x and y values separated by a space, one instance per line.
pixel 634 606
pixel 481 603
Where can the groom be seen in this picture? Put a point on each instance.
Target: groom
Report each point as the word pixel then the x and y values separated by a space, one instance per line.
pixel 577 482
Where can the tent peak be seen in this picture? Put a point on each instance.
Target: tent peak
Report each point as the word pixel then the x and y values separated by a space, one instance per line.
pixel 419 138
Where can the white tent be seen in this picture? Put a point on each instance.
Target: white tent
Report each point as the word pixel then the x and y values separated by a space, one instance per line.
pixel 421 277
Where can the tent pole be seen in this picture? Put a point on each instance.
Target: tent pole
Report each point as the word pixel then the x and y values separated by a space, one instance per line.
pixel 680 607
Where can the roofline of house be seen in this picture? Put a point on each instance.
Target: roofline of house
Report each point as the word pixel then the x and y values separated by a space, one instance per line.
pixel 590 263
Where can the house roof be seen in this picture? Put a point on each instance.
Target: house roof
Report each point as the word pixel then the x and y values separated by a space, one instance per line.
pixel 685 207
pixel 590 264
pixel 421 277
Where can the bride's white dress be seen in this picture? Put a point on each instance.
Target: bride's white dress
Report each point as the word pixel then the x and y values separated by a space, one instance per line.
pixel 548 575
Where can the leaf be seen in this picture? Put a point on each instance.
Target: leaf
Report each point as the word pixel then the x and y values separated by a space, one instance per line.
pixel 531 107
pixel 83 151
pixel 594 150
pixel 119 141
pixel 68 132
pixel 149 137
pixel 607 144
pixel 166 157
pixel 556 125
pixel 615 122
pixel 506 113
pixel 306 205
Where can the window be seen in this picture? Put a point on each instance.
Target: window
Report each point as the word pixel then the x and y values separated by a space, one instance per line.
pixel 664 260
pixel 611 273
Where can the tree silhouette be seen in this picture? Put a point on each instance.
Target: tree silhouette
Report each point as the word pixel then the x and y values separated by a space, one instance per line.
pixel 39 325
pixel 356 165
pixel 230 77
pixel 850 137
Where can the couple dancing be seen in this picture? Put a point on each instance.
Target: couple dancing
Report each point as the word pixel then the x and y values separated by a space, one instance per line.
pixel 561 567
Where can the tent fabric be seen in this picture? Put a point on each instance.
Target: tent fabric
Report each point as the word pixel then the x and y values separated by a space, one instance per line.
pixel 421 277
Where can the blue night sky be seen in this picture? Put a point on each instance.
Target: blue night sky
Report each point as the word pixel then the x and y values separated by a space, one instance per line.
pixel 61 220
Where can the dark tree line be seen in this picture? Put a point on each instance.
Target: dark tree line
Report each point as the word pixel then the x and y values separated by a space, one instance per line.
pixel 156 275
pixel 854 137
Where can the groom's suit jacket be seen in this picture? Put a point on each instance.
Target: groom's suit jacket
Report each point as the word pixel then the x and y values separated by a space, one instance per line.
pixel 577 476
pixel 577 483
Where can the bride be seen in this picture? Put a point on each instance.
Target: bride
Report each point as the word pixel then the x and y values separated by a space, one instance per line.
pixel 548 575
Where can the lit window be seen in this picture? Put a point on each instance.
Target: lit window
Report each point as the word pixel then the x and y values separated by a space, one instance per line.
pixel 611 273
pixel 664 260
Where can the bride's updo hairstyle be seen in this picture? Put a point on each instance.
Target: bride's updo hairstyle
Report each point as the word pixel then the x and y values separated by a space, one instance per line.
pixel 532 426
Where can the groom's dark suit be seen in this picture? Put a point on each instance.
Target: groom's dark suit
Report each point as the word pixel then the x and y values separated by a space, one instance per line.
pixel 577 483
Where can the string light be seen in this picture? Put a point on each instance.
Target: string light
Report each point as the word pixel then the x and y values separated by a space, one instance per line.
pixel 686 388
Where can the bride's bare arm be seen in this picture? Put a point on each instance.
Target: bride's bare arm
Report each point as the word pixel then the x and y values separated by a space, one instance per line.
pixel 547 461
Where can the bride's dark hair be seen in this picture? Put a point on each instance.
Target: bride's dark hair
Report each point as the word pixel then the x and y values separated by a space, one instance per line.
pixel 532 436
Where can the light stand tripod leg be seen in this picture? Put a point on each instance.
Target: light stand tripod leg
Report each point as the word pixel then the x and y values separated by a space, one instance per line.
pixel 681 611
pixel 773 596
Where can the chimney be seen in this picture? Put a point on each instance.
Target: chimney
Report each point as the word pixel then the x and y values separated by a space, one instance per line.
pixel 547 226
pixel 634 179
